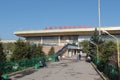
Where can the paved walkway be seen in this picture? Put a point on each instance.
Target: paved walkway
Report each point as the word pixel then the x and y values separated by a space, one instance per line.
pixel 68 69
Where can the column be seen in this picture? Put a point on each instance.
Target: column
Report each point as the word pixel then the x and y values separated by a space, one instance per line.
pixel 41 40
pixel 59 40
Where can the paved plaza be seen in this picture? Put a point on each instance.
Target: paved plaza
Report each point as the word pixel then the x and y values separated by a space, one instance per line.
pixel 68 69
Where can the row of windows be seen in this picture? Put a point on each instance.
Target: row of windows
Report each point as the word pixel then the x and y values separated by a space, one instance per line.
pixel 56 38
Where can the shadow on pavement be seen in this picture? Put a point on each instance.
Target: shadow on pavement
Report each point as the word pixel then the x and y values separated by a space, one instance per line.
pixel 24 73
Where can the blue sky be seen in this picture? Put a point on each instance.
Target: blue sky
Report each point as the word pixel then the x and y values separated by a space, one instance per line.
pixel 37 14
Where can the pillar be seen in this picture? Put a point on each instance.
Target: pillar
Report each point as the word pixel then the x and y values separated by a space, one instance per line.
pixel 59 40
pixel 41 40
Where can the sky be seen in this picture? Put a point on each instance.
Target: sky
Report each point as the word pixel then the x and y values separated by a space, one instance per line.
pixel 18 15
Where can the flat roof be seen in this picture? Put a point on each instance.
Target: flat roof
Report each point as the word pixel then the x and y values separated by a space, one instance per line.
pixel 59 32
pixel 8 41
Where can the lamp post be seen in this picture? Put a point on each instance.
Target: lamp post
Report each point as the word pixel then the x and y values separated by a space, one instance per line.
pixel 117 45
pixel 99 16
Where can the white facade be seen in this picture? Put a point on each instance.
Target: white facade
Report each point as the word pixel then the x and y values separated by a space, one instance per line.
pixel 63 36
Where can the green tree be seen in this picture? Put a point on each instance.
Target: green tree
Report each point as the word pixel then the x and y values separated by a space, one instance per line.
pixel 8 50
pixel 85 45
pixel 51 51
pixel 9 46
pixel 26 50
pixel 33 50
pixel 95 48
pixel 97 39
pixel 39 52
pixel 20 50
pixel 2 54
pixel 108 50
pixel 28 53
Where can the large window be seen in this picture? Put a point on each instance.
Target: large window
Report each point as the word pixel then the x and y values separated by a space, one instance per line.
pixel 50 39
pixel 34 38
pixel 71 38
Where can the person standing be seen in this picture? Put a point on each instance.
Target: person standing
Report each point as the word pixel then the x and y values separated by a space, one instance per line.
pixel 81 53
pixel 79 56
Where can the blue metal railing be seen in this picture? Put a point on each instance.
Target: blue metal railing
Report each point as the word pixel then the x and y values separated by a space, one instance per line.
pixel 63 49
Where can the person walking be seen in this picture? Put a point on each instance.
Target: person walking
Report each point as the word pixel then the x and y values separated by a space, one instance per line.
pixel 44 62
pixel 79 56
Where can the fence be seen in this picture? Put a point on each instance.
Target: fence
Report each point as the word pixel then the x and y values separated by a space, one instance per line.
pixel 12 66
pixel 108 69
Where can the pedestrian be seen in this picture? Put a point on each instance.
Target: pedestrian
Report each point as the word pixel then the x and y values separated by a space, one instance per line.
pixel 79 56
pixel 44 62
pixel 59 57
pixel 81 53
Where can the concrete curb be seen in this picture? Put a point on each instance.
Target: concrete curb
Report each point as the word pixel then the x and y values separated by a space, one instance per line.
pixel 101 74
pixel 23 70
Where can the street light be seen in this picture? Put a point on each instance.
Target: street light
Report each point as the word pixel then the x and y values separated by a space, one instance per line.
pixel 117 45
pixel 96 47
pixel 99 16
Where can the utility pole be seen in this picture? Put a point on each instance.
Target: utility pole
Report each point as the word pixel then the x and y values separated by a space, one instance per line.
pixel 99 17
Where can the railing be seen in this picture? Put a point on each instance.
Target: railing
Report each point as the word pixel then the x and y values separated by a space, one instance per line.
pixel 13 66
pixel 111 71
pixel 63 49
pixel 8 67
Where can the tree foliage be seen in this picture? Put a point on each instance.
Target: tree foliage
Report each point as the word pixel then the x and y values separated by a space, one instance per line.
pixel 8 46
pixel 105 48
pixel 37 50
pixel 51 51
pixel 2 54
pixel 40 51
pixel 108 50
pixel 26 50
pixel 97 39
pixel 20 50
pixel 85 45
